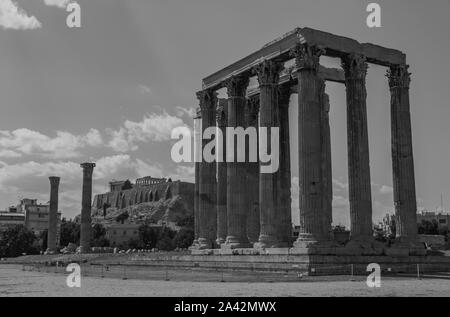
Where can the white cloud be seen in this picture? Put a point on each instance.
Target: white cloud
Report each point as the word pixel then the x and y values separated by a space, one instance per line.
pixel 191 112
pixel 58 3
pixel 9 154
pixel 63 145
pixel 145 90
pixel 154 127
pixel 13 17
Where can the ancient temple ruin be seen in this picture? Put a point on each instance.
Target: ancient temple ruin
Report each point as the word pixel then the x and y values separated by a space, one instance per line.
pixel 236 207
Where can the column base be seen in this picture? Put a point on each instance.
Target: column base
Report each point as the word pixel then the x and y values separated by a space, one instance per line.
pixel 362 246
pixel 405 247
pixel 221 241
pixel 269 242
pixel 235 243
pixel 313 247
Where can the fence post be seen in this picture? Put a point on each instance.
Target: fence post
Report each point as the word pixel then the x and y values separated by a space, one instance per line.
pixel 124 273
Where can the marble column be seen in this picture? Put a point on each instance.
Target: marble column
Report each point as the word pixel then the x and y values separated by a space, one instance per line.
pixel 222 123
pixel 311 180
pixel 402 155
pixel 197 184
pixel 236 188
pixel 284 174
pixel 327 163
pixel 355 68
pixel 53 216
pixel 86 202
pixel 208 181
pixel 253 220
pixel 268 73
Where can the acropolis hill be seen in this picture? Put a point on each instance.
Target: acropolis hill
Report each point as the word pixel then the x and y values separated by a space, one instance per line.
pixel 157 200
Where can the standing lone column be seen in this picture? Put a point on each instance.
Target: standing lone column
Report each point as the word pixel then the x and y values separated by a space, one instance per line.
pixel 222 226
pixel 355 67
pixel 311 180
pixel 268 77
pixel 86 203
pixel 402 156
pixel 285 182
pixel 236 187
pixel 208 183
pixel 253 220
pixel 53 216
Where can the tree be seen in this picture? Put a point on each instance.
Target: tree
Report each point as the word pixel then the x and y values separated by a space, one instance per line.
pixel 184 238
pixel 70 232
pixel 98 237
pixel 127 185
pixel 122 217
pixel 16 241
pixel 148 236
pixel 429 227
pixel 43 238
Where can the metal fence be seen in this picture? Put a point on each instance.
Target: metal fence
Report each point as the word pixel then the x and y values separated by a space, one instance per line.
pixel 350 272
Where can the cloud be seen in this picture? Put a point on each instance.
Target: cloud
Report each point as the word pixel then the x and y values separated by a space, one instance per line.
pixel 13 17
pixel 57 3
pixel 191 112
pixel 145 90
pixel 64 145
pixel 154 127
pixel 9 154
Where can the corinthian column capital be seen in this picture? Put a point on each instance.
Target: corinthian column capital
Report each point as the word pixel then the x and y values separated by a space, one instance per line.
pixel 207 100
pixel 355 66
pixel 268 72
pixel 399 76
pixel 237 86
pixel 307 56
pixel 54 181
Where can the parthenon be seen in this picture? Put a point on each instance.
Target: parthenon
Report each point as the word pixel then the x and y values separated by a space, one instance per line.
pixel 237 207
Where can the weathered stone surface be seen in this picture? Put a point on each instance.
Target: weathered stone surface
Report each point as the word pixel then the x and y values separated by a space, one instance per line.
pixel 86 201
pixel 355 67
pixel 402 155
pixel 222 225
pixel 311 180
pixel 253 219
pixel 237 211
pixel 268 73
pixel 208 182
pixel 53 215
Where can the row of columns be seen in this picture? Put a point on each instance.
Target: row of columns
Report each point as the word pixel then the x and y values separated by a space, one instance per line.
pixel 248 208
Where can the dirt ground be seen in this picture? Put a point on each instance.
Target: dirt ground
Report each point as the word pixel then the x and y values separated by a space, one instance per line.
pixel 16 282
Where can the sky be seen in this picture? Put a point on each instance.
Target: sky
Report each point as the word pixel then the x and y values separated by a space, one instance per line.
pixel 112 91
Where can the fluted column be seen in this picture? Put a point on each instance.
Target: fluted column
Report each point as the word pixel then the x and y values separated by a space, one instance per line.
pixel 253 220
pixel 86 203
pixel 402 154
pixel 285 183
pixel 268 73
pixel 311 181
pixel 208 183
pixel 222 226
pixel 327 163
pixel 236 188
pixel 197 165
pixel 355 67
pixel 53 215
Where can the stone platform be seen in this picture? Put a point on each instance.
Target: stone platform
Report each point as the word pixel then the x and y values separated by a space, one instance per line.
pixel 304 264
